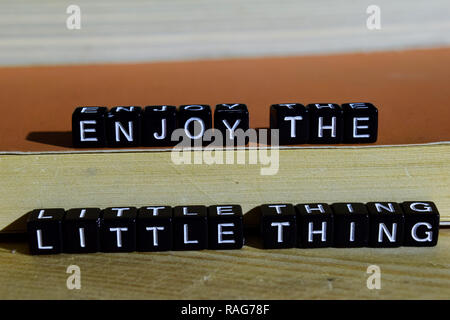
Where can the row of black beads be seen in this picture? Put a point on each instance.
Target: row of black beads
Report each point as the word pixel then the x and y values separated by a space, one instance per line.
pixel 125 229
pixel 375 224
pixel 297 124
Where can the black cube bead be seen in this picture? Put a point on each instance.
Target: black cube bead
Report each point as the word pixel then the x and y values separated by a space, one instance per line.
pixel 387 222
pixel 326 123
pixel 124 126
pixel 421 223
pixel 82 230
pixel 225 227
pixel 89 127
pixel 292 121
pixel 351 225
pixel 229 117
pixel 195 119
pixel 154 228
pixel 190 228
pixel 44 228
pixel 315 225
pixel 159 122
pixel 360 122
pixel 118 229
pixel 278 226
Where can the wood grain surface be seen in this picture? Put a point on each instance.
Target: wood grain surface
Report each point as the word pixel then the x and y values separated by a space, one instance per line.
pixel 309 175
pixel 34 32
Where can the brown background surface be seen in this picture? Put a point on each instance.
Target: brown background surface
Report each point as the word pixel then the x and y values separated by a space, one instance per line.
pixel 410 88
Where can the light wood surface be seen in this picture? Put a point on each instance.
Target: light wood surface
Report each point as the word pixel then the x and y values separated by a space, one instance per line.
pixel 306 175
pixel 34 32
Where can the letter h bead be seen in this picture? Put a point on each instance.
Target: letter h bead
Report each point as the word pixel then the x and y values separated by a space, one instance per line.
pixel 44 228
pixel 315 225
pixel 421 223
pixel 190 228
pixel 89 127
pixel 326 123
pixel 225 227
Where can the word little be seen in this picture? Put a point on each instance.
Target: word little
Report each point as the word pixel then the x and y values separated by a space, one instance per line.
pixel 218 227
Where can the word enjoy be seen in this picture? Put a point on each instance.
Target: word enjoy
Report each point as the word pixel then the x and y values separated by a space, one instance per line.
pixel 219 227
pixel 164 125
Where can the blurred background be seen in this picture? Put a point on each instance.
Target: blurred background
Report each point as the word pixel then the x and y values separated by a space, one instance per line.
pixel 37 33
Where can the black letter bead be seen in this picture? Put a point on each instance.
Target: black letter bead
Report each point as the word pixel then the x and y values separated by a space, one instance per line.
pixel 82 230
pixel 119 229
pixel 44 228
pixel 225 227
pixel 229 117
pixel 387 223
pixel 89 127
pixel 351 225
pixel 159 123
pixel 195 119
pixel 292 121
pixel 124 126
pixel 190 228
pixel 421 223
pixel 326 123
pixel 154 228
pixel 315 225
pixel 360 122
pixel 278 226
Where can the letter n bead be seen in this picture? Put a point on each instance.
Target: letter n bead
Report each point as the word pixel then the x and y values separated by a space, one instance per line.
pixel 421 223
pixel 229 117
pixel 387 223
pixel 118 230
pixel 158 125
pixel 82 230
pixel 124 126
pixel 315 225
pixel 225 227
pixel 360 122
pixel 292 122
pixel 190 227
pixel 278 226
pixel 44 228
pixel 89 127
pixel 154 228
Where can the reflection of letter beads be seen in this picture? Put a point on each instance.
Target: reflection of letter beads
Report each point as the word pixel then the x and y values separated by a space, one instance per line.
pixel 131 126
pixel 162 228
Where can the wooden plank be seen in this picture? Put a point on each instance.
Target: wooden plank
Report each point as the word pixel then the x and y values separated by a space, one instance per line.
pixel 249 273
pixel 104 179
pixel 114 31
pixel 329 175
